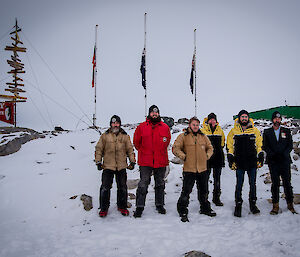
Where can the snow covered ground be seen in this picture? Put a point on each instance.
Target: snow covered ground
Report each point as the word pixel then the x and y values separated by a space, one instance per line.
pixel 37 218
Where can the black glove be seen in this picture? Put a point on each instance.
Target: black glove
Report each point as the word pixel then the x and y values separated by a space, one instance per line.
pixel 261 157
pixel 230 159
pixel 131 166
pixel 99 166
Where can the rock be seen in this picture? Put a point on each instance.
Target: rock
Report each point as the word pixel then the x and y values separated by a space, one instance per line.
pixel 73 147
pixel 296 145
pixel 132 183
pixel 177 160
pixel 296 157
pixel 131 196
pixel 2 177
pixel 87 202
pixel 294 131
pixel 297 151
pixel 296 198
pixel 269 200
pixel 294 166
pixel 12 143
pixel 73 197
pixel 175 130
pixel 196 254
pixel 168 120
pixel 129 205
pixel 183 121
pixel 268 179
pixel 58 128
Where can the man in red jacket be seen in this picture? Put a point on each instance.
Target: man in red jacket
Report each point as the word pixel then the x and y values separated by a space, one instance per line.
pixel 151 139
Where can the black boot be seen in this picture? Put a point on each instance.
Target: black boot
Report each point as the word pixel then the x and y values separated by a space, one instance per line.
pixel 184 218
pixel 238 209
pixel 253 207
pixel 216 200
pixel 160 209
pixel 206 210
pixel 138 212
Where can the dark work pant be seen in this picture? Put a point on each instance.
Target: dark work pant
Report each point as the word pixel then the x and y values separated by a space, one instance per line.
pixel 240 181
pixel 145 179
pixel 217 181
pixel 107 181
pixel 189 179
pixel 283 170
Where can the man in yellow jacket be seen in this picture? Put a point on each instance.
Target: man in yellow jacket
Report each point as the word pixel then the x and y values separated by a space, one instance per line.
pixel 244 146
pixel 194 148
pixel 112 150
pixel 215 133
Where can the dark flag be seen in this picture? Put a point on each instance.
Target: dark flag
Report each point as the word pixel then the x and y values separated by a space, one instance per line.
pixel 192 75
pixel 143 68
pixel 94 67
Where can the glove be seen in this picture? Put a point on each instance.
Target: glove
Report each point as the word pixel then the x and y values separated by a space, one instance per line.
pixel 99 166
pixel 131 166
pixel 260 159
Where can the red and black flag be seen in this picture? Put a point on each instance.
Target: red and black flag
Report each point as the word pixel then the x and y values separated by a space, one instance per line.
pixel 143 68
pixel 192 74
pixel 94 67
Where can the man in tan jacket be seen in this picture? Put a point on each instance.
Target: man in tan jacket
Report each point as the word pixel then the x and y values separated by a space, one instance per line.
pixel 112 150
pixel 194 148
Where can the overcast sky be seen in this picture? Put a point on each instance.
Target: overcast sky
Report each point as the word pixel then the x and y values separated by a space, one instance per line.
pixel 248 56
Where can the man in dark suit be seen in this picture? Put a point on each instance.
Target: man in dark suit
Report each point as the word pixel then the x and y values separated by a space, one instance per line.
pixel 278 143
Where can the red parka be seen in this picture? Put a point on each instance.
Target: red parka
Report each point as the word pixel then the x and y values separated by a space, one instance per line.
pixel 151 141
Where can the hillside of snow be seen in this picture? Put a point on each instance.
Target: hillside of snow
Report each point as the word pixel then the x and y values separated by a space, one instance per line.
pixel 38 218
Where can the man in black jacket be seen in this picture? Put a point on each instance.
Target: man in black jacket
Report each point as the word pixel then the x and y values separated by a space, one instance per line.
pixel 278 143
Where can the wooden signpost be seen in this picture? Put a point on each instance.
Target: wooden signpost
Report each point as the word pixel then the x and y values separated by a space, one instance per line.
pixel 17 68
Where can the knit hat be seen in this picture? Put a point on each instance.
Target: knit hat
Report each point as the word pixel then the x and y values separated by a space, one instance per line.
pixel 153 108
pixel 243 112
pixel 211 116
pixel 276 114
pixel 115 118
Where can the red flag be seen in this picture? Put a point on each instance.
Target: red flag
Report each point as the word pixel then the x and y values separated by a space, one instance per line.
pixel 7 112
pixel 94 67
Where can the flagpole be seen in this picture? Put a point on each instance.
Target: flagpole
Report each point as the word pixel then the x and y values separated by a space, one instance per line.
pixel 195 73
pixel 145 16
pixel 95 78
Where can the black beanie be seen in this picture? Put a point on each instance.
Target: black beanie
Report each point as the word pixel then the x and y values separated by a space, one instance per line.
pixel 153 108
pixel 243 112
pixel 115 118
pixel 276 114
pixel 211 116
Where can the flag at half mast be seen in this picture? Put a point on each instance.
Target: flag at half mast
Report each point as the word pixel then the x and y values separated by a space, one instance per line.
pixel 94 67
pixel 143 68
pixel 193 72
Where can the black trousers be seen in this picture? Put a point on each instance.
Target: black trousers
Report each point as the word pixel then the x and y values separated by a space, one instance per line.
pixel 217 180
pixel 284 171
pixel 189 179
pixel 145 179
pixel 107 181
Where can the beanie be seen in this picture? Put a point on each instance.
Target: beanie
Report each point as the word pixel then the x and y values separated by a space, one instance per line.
pixel 153 108
pixel 243 112
pixel 211 116
pixel 115 118
pixel 276 114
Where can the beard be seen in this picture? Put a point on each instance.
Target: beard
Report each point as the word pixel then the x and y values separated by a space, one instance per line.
pixel 276 124
pixel 115 130
pixel 154 120
pixel 244 123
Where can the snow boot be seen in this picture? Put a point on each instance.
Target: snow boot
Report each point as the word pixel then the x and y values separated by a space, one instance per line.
pixel 238 210
pixel 184 218
pixel 138 212
pixel 216 200
pixel 102 213
pixel 275 209
pixel 124 212
pixel 253 207
pixel 160 209
pixel 206 210
pixel 290 206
